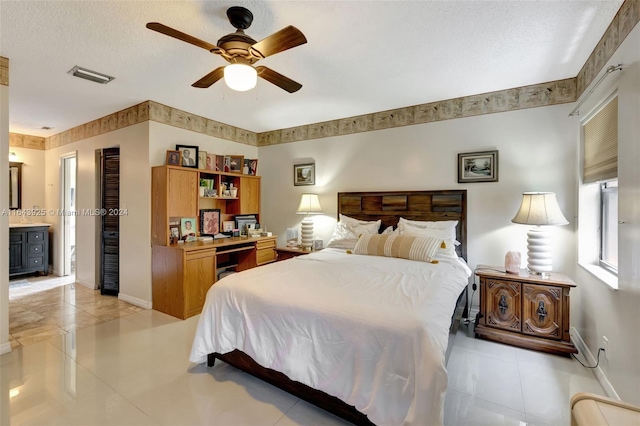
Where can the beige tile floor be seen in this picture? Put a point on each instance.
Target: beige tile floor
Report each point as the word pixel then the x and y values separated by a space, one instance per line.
pixel 42 307
pixel 135 370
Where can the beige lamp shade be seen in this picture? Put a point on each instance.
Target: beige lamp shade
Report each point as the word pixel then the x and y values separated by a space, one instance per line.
pixel 539 208
pixel 309 204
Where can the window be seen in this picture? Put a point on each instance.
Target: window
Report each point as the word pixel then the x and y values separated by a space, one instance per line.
pixel 609 225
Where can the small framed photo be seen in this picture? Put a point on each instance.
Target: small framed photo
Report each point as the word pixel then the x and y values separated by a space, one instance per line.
pixel 228 225
pixel 219 163
pixel 209 222
pixel 174 233
pixel 211 161
pixel 174 158
pixel 304 174
pixel 236 162
pixel 479 166
pixel 202 160
pixel 189 155
pixel 188 228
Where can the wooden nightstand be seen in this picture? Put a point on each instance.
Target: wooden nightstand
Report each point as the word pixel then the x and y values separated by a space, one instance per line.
pixel 284 253
pixel 525 310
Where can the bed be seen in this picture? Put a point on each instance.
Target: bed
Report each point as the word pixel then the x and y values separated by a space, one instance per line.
pixel 368 350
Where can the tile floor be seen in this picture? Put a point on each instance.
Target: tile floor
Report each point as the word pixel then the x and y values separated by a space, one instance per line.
pixel 42 307
pixel 134 370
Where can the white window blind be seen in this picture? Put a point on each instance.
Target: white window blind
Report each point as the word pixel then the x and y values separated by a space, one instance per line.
pixel 601 144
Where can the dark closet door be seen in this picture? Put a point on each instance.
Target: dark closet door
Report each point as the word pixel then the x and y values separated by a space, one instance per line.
pixel 109 280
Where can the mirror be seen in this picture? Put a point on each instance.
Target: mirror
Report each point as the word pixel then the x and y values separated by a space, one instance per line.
pixel 15 185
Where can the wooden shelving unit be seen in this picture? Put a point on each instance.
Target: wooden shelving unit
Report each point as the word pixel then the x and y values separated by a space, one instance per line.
pixel 183 273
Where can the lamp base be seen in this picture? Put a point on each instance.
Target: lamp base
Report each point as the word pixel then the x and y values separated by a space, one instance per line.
pixel 539 252
pixel 307 233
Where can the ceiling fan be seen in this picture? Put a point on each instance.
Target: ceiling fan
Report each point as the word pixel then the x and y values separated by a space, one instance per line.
pixel 242 51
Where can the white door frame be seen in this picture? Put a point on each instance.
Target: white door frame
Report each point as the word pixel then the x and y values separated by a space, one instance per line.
pixel 67 209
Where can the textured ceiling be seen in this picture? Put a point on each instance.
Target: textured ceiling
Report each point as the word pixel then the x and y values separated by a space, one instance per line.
pixel 361 56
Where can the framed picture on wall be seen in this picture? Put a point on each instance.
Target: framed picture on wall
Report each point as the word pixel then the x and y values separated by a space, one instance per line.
pixel 304 174
pixel 481 166
pixel 189 155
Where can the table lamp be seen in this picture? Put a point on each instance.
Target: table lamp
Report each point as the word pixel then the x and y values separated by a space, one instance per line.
pixel 309 204
pixel 540 209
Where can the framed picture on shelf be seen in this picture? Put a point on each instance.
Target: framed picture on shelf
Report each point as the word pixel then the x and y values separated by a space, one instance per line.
pixel 219 163
pixel 209 221
pixel 189 155
pixel 235 163
pixel 211 161
pixel 188 228
pixel 481 166
pixel 228 225
pixel 250 167
pixel 202 160
pixel 304 174
pixel 174 158
pixel 174 233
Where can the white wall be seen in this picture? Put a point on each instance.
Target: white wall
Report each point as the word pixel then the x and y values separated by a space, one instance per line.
pixel 605 312
pixel 163 137
pixel 4 220
pixel 33 164
pixel 135 227
pixel 536 154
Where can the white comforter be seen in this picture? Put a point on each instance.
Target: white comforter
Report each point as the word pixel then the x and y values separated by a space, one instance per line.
pixel 369 330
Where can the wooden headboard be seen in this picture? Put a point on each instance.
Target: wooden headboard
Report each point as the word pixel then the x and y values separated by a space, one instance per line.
pixel 389 206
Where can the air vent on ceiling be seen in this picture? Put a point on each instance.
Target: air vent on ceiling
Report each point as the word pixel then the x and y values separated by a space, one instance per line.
pixel 90 75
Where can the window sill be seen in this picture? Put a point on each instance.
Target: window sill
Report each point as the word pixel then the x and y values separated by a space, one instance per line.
pixel 602 275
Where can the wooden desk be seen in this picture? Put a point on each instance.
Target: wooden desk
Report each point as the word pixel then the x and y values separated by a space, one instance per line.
pixel 183 273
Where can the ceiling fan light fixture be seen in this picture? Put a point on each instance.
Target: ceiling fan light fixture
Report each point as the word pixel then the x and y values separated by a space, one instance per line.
pixel 240 77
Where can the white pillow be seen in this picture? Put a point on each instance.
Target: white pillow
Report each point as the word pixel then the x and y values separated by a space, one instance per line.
pixel 388 230
pixel 345 234
pixel 445 225
pixel 372 226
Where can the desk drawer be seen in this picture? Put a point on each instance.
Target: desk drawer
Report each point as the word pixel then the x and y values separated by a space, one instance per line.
pixel 265 256
pixel 265 244
pixel 37 249
pixel 35 236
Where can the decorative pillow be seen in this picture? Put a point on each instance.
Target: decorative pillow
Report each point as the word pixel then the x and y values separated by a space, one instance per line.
pixel 445 225
pixel 443 234
pixel 409 247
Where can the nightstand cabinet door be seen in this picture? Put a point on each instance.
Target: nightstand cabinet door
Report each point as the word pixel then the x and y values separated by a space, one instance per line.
pixel 503 304
pixel 542 311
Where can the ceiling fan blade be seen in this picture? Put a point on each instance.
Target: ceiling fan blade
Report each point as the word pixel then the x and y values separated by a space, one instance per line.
pixel 210 78
pixel 278 79
pixel 163 29
pixel 284 39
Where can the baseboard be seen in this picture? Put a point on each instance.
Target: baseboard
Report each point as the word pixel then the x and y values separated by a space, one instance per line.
pixel 86 284
pixel 5 348
pixel 591 360
pixel 135 301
